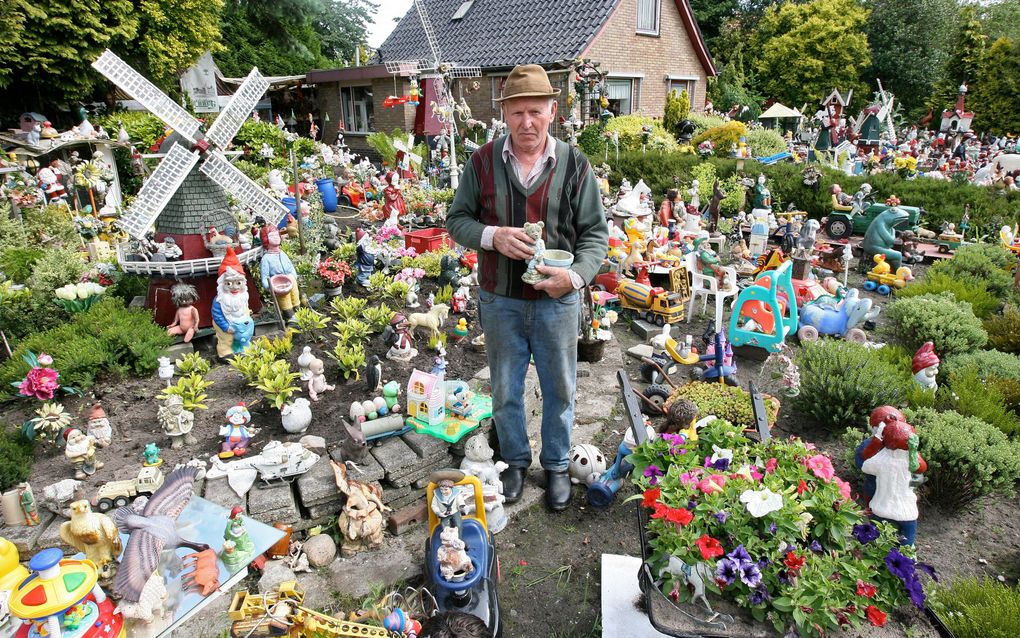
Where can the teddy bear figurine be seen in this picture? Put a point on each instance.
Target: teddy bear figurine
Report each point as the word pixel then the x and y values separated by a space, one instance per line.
pixel 532 276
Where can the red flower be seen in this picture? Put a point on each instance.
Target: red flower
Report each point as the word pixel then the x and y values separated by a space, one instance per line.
pixel 680 516
pixel 710 547
pixel 802 487
pixel 660 511
pixel 875 616
pixel 794 562
pixel 650 497
pixel 865 589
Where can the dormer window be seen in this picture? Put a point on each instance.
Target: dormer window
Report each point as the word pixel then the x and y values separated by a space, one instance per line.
pixel 463 9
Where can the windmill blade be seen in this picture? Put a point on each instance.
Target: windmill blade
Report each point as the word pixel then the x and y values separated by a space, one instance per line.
pixel 219 170
pixel 464 72
pixel 158 189
pixel 241 104
pixel 146 93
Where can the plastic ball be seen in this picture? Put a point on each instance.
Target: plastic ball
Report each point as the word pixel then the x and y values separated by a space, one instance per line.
pixel 585 460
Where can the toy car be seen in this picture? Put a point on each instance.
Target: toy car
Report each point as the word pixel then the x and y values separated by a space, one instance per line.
pixel 841 224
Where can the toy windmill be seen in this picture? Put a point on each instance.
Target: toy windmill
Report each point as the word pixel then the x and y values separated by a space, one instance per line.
pixel 442 74
pixel 186 195
pixel 404 150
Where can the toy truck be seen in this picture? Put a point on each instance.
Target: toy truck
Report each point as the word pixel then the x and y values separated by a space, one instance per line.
pixel 120 493
pixel 655 305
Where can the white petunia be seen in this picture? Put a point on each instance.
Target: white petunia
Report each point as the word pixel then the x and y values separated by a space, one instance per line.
pixel 761 502
pixel 721 453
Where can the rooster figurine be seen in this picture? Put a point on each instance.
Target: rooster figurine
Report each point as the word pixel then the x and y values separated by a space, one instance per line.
pixel 94 534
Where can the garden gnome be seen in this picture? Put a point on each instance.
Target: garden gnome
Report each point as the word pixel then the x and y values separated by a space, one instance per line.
pixel 99 426
pixel 176 421
pixel 925 366
pixel 709 261
pixel 880 417
pixel 231 315
pixel 278 273
pixel 81 452
pixel 317 383
pixel 236 534
pixel 365 263
pixel 447 501
pixel 235 432
pixel 892 467
pixel 28 505
pixel 762 196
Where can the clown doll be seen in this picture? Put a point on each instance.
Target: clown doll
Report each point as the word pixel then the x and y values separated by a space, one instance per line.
pixel 235 432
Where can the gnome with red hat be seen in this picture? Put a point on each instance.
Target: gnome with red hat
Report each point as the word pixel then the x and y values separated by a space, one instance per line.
pixel 894 467
pixel 231 316
pixel 278 273
pixel 925 366
pixel 80 450
pixel 99 426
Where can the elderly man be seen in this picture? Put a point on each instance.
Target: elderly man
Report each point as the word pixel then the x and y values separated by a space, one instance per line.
pixel 529 176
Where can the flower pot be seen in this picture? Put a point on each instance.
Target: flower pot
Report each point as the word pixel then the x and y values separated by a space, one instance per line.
pixel 590 351
pixel 332 292
pixel 328 192
pixel 291 205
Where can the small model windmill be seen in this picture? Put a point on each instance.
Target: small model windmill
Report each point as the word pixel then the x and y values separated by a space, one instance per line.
pixel 187 193
pixel 405 150
pixel 442 74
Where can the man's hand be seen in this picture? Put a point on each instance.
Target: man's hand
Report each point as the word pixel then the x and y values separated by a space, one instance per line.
pixel 513 242
pixel 558 283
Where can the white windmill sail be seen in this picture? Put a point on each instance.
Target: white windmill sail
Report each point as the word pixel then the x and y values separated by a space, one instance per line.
pixel 241 104
pixel 146 93
pixel 250 194
pixel 157 190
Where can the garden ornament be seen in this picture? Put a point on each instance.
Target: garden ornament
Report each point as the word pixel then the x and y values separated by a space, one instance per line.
pixel 843 317
pixel 151 456
pixel 694 576
pixel 893 466
pixel 478 462
pixel 534 231
pixel 353 447
pixel 99 426
pixel 33 136
pixel 925 366
pixel 431 320
pixel 235 432
pixel 150 604
pixel 361 521
pixel 278 273
pixel 176 422
pixel 296 416
pixel 304 360
pixel 81 452
pixel 237 544
pixel 807 238
pixel 454 563
pixel 166 370
pixel 365 263
pixel 394 205
pixel 373 375
pixel 762 196
pixel 230 313
pixel 586 463
pixel 880 417
pixel 398 336
pixel 447 500
pixel 317 383
pixel 879 238
pixel 858 203
pixel 94 534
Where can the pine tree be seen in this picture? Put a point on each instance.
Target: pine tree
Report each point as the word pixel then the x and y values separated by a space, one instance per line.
pixel 965 57
pixel 996 91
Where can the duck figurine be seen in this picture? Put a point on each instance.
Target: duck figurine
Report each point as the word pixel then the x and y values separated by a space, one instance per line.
pixel 461 330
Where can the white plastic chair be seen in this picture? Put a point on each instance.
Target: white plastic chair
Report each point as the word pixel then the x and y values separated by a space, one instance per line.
pixel 705 285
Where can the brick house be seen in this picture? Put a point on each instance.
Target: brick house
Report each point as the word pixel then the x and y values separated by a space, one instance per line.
pixel 648 47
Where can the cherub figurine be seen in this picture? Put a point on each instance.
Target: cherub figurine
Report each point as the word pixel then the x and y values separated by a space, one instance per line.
pixel 187 319
pixel 317 383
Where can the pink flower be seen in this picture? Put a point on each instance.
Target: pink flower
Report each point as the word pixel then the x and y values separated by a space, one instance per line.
pixel 44 359
pixel 40 383
pixel 712 483
pixel 821 466
pixel 770 465
pixel 844 488
pixel 687 478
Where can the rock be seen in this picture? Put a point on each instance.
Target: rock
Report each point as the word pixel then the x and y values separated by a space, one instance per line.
pixel 644 330
pixel 314 443
pixel 982 561
pixel 640 350
pixel 275 572
pixel 320 549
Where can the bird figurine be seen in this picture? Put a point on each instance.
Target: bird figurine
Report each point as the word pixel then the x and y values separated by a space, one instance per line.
pixel 152 527
pixel 659 341
pixel 122 134
pixel 461 330
pixel 101 133
pixel 373 374
pixel 94 534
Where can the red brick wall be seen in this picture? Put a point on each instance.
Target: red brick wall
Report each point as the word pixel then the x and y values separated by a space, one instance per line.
pixel 621 49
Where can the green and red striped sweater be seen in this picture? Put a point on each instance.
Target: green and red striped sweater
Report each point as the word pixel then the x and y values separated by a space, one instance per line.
pixel 566 197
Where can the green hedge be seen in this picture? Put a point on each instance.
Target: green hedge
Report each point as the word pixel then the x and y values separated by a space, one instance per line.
pixel 944 201
pixel 949 324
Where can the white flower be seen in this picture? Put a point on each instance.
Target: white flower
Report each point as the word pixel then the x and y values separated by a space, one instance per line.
pixel 761 502
pixel 83 291
pixel 802 523
pixel 721 453
pixel 68 292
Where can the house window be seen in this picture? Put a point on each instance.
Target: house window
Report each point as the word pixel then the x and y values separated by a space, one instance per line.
pixel 463 9
pixel 648 17
pixel 359 116
pixel 418 388
pixel 620 92
pixel 680 86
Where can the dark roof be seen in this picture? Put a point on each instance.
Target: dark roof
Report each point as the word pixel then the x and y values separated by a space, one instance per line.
pixel 500 33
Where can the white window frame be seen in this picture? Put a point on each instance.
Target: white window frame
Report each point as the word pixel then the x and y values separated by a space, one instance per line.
pixel 635 80
pixel 691 82
pixel 658 18
pixel 359 115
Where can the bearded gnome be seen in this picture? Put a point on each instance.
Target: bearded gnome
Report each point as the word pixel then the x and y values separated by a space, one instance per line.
pixel 231 315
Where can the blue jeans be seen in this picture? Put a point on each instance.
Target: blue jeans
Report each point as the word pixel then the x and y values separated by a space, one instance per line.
pixel 515 331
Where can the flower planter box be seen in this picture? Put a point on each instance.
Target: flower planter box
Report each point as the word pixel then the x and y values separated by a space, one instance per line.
pixel 427 240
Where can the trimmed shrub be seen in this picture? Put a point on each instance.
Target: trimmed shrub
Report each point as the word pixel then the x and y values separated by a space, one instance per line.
pixel 703 122
pixel 969 395
pixel 56 268
pixel 723 137
pixel 17 263
pixel 973 608
pixel 1004 330
pixel 982 302
pixel 15 459
pixel 841 382
pixel 49 227
pixel 979 264
pixel 967 458
pixel 1001 370
pixel 765 141
pixel 949 324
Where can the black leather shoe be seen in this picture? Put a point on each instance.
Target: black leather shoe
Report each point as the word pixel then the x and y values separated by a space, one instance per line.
pixel 557 489
pixel 513 484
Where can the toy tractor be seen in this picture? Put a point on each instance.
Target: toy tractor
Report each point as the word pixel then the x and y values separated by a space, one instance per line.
pixel 840 224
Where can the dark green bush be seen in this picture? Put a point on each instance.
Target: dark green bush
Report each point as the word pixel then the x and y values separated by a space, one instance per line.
pixel 978 609
pixel 128 335
pixel 1000 369
pixel 974 292
pixel 30 314
pixel 841 382
pixel 967 458
pixel 980 264
pixel 949 324
pixel 50 227
pixel 129 287
pixel 15 459
pixel 17 263
pixel 1004 330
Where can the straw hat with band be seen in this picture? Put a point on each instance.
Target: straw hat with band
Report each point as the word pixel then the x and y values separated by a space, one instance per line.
pixel 527 80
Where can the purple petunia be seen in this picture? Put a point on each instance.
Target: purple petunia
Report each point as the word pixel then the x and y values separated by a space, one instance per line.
pixel 759 595
pixel 763 562
pixel 739 554
pixel 653 472
pixel 692 504
pixel 721 517
pixel 816 547
pixel 899 565
pixel 772 529
pixel 784 577
pixel 750 575
pixel 865 533
pixel 913 587
pixel 928 569
pixel 721 464
pixel 727 571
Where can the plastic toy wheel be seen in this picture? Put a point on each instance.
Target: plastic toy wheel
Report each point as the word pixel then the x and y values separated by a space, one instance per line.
pixel 807 333
pixel 659 321
pixel 944 249
pixel 856 335
pixel 870 285
pixel 657 394
pixel 883 290
pixel 121 501
pixel 105 505
pixel 838 228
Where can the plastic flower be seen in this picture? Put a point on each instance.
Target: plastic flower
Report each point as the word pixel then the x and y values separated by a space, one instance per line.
pixel 761 502
pixel 49 421
pixel 709 547
pixel 650 497
pixel 821 466
pixel 875 616
pixel 40 383
pixel 865 532
pixel 866 589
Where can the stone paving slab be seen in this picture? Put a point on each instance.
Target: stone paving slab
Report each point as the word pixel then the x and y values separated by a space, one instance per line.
pixel 367 471
pixel 644 330
pixel 407 499
pixel 420 472
pixel 425 446
pixel 317 486
pixel 272 504
pixel 50 537
pixel 394 455
pixel 26 538
pixel 390 494
pixel 218 491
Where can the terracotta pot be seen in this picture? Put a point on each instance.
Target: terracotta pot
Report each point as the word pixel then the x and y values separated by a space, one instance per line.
pixel 282 547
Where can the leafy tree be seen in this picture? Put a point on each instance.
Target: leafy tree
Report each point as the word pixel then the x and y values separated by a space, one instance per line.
pixel 996 97
pixel 172 35
pixel 1000 19
pixel 712 16
pixel 968 48
pixel 342 26
pixel 277 36
pixel 55 44
pixel 898 37
pixel 733 87
pixel 804 50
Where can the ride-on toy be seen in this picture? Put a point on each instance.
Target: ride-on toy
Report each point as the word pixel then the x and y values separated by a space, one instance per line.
pixel 882 280
pixel 766 311
pixel 840 224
